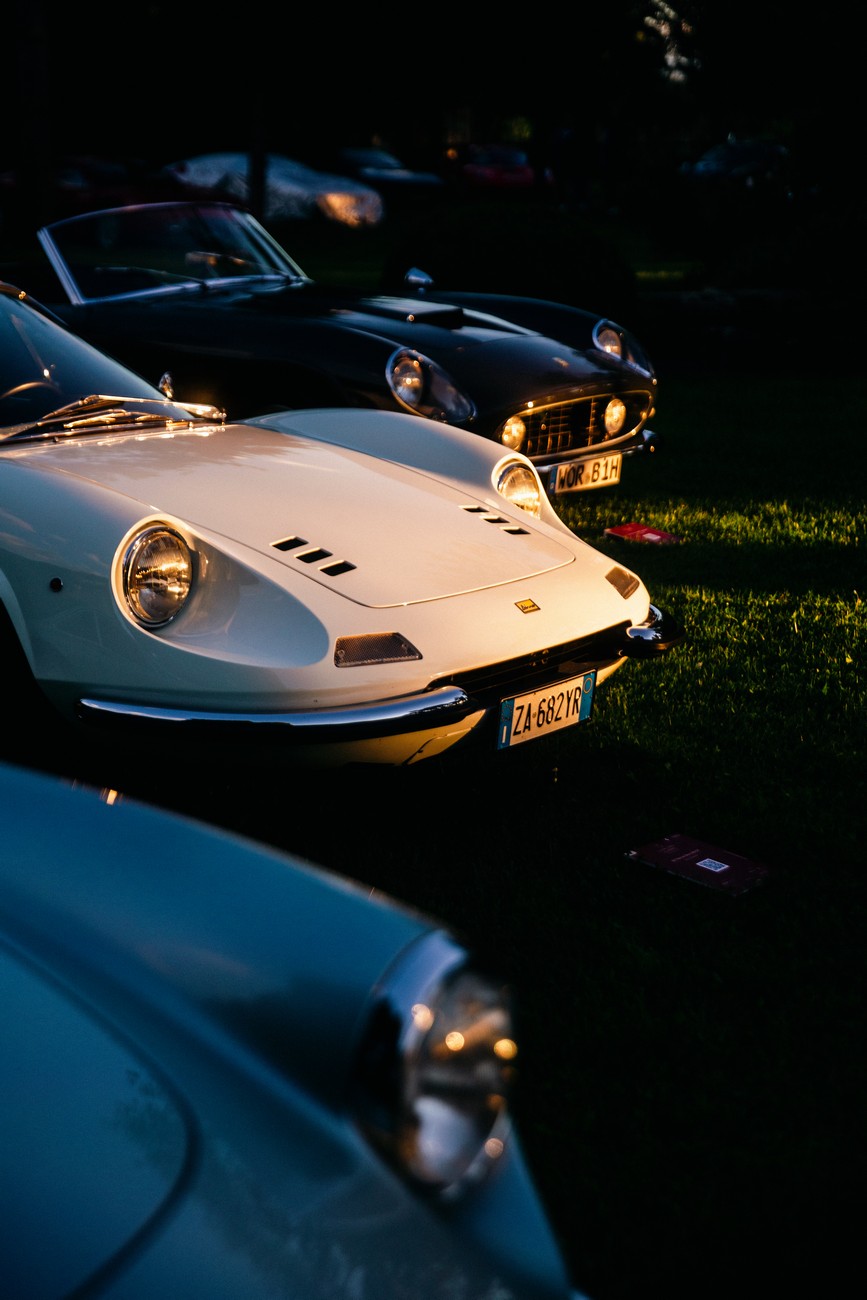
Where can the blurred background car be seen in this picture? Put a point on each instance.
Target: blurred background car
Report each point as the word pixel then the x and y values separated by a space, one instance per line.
pixel 227 1072
pixel 398 183
pixel 497 167
pixel 742 165
pixel 78 182
pixel 292 190
pixel 747 180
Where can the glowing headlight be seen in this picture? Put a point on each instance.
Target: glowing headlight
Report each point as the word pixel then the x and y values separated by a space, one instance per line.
pixel 437 1069
pixel 513 433
pixel 615 415
pixel 424 388
pixel 618 342
pixel 157 575
pixel 520 485
pixel 407 379
pixel 608 340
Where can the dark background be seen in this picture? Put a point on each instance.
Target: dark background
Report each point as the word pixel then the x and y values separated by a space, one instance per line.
pixel 631 96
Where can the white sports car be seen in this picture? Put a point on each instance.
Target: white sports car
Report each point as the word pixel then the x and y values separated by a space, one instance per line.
pixel 328 585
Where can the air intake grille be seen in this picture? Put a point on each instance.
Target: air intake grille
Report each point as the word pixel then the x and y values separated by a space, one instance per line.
pixel 571 426
pixel 547 665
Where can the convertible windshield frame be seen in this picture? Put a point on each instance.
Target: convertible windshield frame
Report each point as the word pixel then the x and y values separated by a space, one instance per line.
pixel 96 413
pixel 145 249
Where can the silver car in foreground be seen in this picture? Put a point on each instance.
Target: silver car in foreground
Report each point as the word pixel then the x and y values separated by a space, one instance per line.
pixel 226 1074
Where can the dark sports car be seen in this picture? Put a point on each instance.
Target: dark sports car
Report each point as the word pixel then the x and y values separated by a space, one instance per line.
pixel 201 293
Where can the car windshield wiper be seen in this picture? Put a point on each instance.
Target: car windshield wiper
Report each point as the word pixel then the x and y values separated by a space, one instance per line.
pixel 99 410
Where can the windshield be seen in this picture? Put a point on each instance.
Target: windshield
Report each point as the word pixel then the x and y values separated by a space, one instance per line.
pixel 149 247
pixel 44 367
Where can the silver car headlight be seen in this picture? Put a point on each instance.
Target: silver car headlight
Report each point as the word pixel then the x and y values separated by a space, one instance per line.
pixel 618 342
pixel 424 388
pixel 436 1069
pixel 520 485
pixel 157 575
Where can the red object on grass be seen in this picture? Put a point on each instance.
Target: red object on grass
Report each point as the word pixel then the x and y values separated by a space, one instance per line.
pixel 707 864
pixel 640 533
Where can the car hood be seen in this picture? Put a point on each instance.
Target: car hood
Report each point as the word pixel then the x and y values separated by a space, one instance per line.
pixel 453 332
pixel 457 335
pixel 496 360
pixel 378 532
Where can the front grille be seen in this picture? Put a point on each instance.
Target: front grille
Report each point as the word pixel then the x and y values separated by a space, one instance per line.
pixel 571 426
pixel 548 665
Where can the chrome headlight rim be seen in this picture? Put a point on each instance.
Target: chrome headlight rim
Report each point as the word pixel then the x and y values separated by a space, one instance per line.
pixel 518 482
pixel 157 575
pixel 435 1069
pixel 422 387
pixel 615 341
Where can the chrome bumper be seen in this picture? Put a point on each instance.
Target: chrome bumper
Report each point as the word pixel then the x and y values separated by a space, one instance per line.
pixel 443 707
pixel 658 634
pixel 412 713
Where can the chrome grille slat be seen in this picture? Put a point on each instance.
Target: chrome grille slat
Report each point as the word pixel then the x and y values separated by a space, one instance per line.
pixel 577 424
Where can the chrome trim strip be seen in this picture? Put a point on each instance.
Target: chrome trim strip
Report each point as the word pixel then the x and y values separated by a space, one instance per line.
pixel 412 712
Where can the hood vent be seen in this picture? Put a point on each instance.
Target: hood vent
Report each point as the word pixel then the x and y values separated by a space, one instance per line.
pixel 315 555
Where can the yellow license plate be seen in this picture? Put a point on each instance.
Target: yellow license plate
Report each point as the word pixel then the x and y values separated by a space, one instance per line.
pixel 526 717
pixel 579 475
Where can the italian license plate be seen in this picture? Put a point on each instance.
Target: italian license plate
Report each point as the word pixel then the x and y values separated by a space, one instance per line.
pixel 578 476
pixel 525 717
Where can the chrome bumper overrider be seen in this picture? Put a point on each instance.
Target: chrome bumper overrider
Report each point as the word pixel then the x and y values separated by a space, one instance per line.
pixel 658 634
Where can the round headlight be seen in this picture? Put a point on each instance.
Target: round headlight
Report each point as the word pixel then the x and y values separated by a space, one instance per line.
pixel 615 415
pixel 513 433
pixel 424 388
pixel 436 1068
pixel 618 342
pixel 407 380
pixel 608 339
pixel 520 485
pixel 157 575
pixel 460 1057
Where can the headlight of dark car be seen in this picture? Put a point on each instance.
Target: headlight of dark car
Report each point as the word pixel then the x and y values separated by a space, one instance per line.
pixel 436 1067
pixel 157 575
pixel 618 342
pixel 423 387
